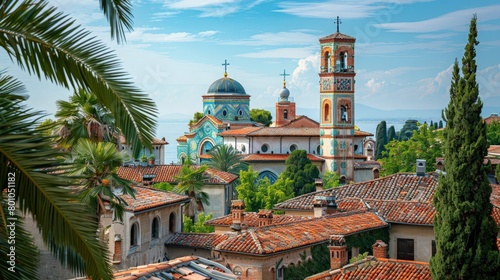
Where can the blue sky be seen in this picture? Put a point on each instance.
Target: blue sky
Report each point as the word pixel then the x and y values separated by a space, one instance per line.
pixel 404 49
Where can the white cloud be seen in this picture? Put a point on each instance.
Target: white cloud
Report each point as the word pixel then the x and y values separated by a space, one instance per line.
pixel 304 82
pixel 437 85
pixel 374 86
pixel 450 21
pixel 212 8
pixel 489 82
pixel 142 34
pixel 279 38
pixel 398 47
pixel 192 4
pixel 296 53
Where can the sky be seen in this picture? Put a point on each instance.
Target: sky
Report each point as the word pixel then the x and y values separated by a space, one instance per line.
pixel 404 50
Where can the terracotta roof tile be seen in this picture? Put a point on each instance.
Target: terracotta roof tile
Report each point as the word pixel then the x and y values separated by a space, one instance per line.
pixel 337 35
pixel 167 173
pixel 239 132
pixel 371 268
pixel 362 133
pixel 252 220
pixel 196 240
pixel 281 237
pixel 494 149
pixel 146 198
pixel 286 131
pixel 276 157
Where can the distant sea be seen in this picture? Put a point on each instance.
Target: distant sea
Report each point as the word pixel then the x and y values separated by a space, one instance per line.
pixel 173 129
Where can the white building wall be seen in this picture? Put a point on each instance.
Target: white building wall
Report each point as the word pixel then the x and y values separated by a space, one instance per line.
pixel 421 235
pixel 281 145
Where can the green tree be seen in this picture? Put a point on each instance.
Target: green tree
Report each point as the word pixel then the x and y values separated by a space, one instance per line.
pixel 401 156
pixel 96 164
pixel 226 158
pixel 190 181
pixel 381 139
pixel 248 189
pixel 301 171
pixel 391 134
pixel 464 228
pixel 262 116
pixel 440 124
pixel 493 133
pixel 331 180
pixel 269 195
pixel 407 130
pixel 84 117
pixel 48 44
pixel 196 117
pixel 164 186
pixel 199 226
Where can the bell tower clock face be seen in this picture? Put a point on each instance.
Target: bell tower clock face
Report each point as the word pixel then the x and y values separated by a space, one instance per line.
pixel 344 84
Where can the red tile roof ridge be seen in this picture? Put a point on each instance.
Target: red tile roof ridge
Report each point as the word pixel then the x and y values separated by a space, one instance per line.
pixel 257 242
pixel 401 261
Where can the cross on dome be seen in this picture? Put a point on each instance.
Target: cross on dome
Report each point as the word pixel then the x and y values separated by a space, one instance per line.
pixel 338 21
pixel 284 77
pixel 225 64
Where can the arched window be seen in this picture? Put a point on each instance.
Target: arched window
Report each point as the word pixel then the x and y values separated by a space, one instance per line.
pixel 293 147
pixel 171 223
pixel 343 114
pixel 206 147
pixel 326 113
pixel 209 112
pixel 326 62
pixel 155 228
pixel 343 61
pixel 243 148
pixel 237 271
pixel 224 112
pixel 285 114
pixel 240 112
pixel 134 234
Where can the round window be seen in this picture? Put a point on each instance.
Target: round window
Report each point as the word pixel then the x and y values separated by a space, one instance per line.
pixel 240 112
pixel 243 148
pixel 264 148
pixel 293 148
pixel 224 113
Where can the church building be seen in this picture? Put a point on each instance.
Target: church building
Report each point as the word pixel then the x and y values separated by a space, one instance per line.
pixel 332 144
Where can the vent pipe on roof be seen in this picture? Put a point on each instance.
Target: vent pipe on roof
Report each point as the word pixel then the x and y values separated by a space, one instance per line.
pixel 420 167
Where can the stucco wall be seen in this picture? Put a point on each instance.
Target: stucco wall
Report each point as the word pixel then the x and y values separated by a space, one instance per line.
pixel 422 236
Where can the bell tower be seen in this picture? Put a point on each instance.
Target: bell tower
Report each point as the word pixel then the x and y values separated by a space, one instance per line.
pixel 337 103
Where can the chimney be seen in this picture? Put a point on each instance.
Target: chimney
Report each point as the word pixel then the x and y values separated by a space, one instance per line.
pixel 318 182
pixel 238 214
pixel 420 167
pixel 338 252
pixel 319 204
pixel 379 249
pixel 331 205
pixel 265 217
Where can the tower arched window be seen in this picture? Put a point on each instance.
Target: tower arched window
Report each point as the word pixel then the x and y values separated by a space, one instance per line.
pixel 343 61
pixel 343 114
pixel 285 114
pixel 326 113
pixel 326 62
pixel 155 228
pixel 134 234
pixel 171 223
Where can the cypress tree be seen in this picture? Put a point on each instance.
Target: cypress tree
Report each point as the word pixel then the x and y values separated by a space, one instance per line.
pixel 391 133
pixel 441 124
pixel 464 228
pixel 381 139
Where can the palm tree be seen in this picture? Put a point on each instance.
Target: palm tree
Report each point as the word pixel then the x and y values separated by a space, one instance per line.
pixel 28 158
pixel 49 44
pixel 226 158
pixel 190 181
pixel 96 164
pixel 84 117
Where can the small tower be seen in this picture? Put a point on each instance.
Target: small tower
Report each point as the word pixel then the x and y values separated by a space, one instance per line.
pixel 285 109
pixel 338 252
pixel 337 103
pixel 265 217
pixel 238 214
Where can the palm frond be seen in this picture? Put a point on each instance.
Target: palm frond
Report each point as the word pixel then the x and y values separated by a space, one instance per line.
pixel 119 14
pixel 64 223
pixel 48 44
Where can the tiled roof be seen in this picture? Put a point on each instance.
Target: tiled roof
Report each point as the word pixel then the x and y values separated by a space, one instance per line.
pixel 239 132
pixel 182 138
pixel 281 237
pixel 196 240
pixel 251 219
pixel 494 149
pixel 191 267
pixel 211 118
pixel 276 157
pixel 337 35
pixel 286 131
pixel 498 244
pixel 147 198
pixel 366 164
pixel 167 173
pixel 399 198
pixel 154 141
pixel 302 121
pixel 372 268
pixel 401 186
pixel 362 133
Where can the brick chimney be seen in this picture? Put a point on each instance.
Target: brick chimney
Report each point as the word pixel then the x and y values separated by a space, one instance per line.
pixel 318 183
pixel 338 252
pixel 319 204
pixel 265 217
pixel 238 214
pixel 379 249
pixel 331 205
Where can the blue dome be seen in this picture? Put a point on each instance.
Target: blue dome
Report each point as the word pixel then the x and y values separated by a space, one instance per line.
pixel 226 85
